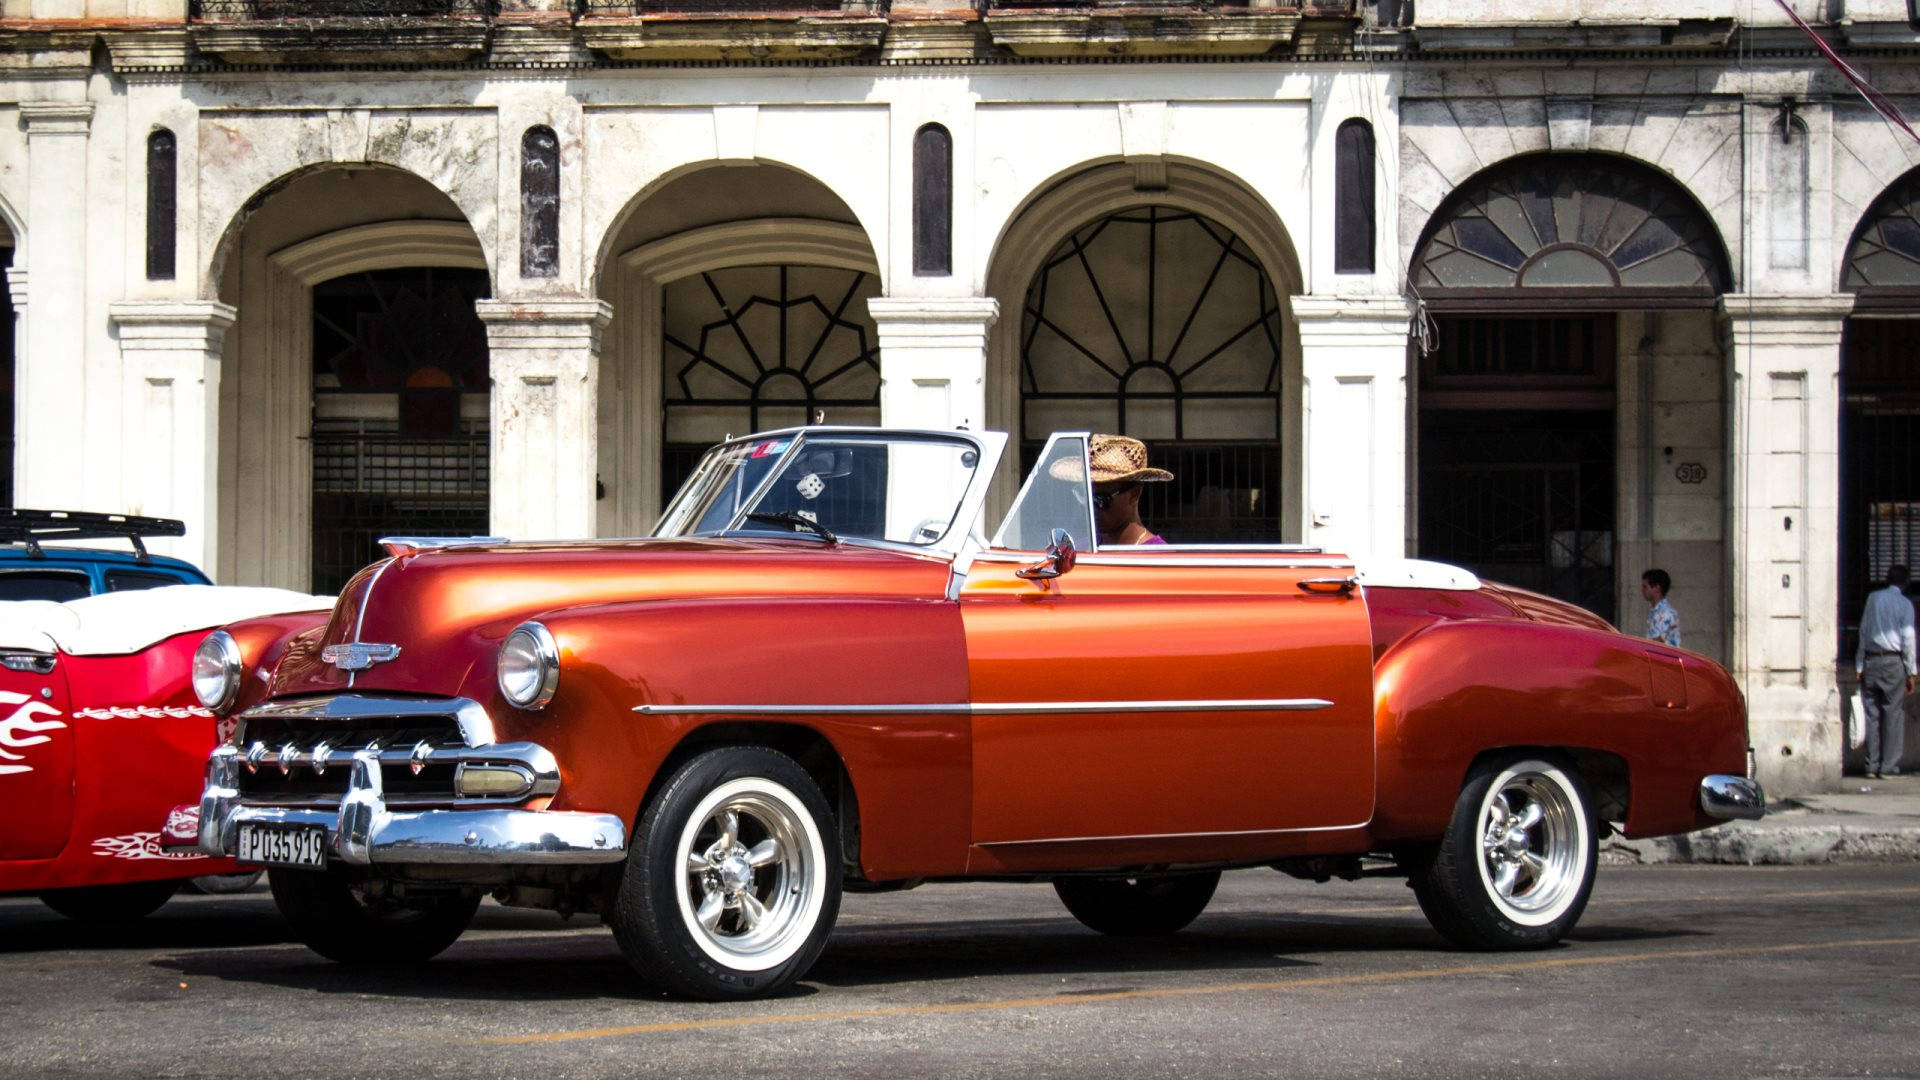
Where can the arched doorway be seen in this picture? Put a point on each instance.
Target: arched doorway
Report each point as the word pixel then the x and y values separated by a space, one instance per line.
pixel 1879 403
pixel 740 304
pixel 1160 323
pixel 353 397
pixel 1571 371
pixel 8 336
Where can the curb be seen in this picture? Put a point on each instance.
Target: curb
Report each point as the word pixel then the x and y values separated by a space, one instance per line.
pixel 1743 844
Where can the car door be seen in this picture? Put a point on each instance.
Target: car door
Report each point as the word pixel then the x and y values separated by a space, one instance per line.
pixel 36 754
pixel 1154 704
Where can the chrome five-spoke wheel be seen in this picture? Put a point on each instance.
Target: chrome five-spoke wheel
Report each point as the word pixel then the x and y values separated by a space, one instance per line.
pixel 753 873
pixel 733 882
pixel 1516 864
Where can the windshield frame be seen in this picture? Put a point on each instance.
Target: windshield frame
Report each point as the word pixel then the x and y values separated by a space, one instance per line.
pixel 988 444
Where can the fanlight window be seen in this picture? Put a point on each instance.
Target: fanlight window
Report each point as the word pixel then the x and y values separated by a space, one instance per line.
pixel 1557 221
pixel 752 348
pixel 1886 250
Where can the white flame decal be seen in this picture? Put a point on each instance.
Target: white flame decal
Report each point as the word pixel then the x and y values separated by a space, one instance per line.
pixel 140 845
pixel 21 730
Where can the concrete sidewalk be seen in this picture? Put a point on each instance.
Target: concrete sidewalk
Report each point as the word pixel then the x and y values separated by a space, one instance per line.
pixel 1866 821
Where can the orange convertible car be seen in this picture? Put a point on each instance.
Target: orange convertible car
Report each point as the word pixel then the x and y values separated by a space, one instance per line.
pixel 819 674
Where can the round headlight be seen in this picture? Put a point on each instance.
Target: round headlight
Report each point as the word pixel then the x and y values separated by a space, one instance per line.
pixel 216 670
pixel 529 666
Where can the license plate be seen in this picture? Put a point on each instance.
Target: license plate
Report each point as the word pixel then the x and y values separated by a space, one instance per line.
pixel 283 845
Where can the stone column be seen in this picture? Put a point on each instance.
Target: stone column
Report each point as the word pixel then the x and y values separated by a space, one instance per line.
pixel 170 351
pixel 1353 360
pixel 1783 494
pixel 933 359
pixel 545 408
pixel 50 365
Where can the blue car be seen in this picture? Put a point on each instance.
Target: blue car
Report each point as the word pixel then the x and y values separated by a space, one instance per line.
pixel 31 571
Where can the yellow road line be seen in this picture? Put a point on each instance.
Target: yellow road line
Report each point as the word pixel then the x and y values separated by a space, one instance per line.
pixel 714 1023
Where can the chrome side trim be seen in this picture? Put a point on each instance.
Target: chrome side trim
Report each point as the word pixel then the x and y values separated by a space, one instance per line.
pixel 1161 837
pixel 995 708
pixel 1732 798
pixel 476 727
pixel 1107 558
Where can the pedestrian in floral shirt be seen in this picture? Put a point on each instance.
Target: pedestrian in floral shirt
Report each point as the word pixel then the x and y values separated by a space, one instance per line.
pixel 1663 623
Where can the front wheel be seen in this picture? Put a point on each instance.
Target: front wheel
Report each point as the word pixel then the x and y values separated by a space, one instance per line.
pixel 1138 906
pixel 336 915
pixel 102 904
pixel 1516 865
pixel 733 882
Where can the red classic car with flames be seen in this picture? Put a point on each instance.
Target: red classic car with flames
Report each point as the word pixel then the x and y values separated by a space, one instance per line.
pixel 819 675
pixel 100 736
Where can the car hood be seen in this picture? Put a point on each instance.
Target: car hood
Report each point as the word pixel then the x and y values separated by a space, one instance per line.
pixel 449 608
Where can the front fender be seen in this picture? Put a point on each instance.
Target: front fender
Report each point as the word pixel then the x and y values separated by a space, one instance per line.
pixel 1457 690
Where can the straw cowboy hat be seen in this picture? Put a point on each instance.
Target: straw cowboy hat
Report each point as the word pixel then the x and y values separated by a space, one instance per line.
pixel 1114 459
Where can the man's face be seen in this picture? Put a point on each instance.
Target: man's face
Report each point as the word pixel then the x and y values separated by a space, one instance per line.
pixel 1649 591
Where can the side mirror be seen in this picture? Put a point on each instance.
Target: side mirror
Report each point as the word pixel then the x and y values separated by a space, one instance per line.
pixel 1060 559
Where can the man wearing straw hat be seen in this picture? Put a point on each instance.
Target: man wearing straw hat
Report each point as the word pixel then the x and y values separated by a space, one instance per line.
pixel 1120 475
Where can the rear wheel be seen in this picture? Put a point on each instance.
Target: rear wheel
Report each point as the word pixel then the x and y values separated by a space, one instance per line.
pixel 334 913
pixel 733 882
pixel 110 903
pixel 1138 906
pixel 1517 863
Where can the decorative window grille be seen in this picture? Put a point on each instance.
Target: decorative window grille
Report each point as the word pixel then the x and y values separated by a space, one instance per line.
pixel 1161 324
pixel 932 202
pixel 161 203
pixel 750 348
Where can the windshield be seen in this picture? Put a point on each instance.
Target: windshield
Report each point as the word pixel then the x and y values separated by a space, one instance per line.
pixel 908 488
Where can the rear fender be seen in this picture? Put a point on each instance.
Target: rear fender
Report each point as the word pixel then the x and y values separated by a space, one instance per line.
pixel 1457 691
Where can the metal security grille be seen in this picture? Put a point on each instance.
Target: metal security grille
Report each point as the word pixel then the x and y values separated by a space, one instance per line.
pixel 1880 462
pixel 1162 324
pixel 371 481
pixel 1221 493
pixel 1523 498
pixel 400 437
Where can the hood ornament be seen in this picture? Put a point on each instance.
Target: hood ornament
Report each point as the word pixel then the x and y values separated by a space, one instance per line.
pixel 359 655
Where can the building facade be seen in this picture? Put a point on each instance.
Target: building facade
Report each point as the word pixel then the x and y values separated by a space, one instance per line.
pixel 1558 291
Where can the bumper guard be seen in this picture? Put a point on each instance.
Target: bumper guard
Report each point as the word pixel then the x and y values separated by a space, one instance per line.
pixel 1732 797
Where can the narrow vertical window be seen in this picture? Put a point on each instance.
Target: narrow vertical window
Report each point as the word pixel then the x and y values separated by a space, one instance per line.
pixel 932 201
pixel 1353 197
pixel 539 203
pixel 161 202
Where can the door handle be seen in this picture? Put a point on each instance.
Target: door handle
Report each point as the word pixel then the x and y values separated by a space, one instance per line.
pixel 1328 585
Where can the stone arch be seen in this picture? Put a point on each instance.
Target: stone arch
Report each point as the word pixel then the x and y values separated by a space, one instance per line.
pixel 694 219
pixel 1619 227
pixel 616 240
pixel 13 231
pixel 1099 189
pixel 346 222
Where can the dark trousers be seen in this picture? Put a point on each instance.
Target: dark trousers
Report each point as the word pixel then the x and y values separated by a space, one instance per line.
pixel 1883 692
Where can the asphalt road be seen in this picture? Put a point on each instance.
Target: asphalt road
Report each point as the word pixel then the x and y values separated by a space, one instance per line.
pixel 1675 971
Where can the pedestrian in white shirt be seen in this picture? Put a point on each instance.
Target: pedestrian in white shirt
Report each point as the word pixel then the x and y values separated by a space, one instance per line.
pixel 1885 664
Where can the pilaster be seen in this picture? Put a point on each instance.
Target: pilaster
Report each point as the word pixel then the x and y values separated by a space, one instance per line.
pixel 49 368
pixel 170 353
pixel 933 359
pixel 546 388
pixel 1783 497
pixel 1353 360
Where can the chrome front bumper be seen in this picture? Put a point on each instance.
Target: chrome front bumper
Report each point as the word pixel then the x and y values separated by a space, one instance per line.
pixel 364 832
pixel 1732 797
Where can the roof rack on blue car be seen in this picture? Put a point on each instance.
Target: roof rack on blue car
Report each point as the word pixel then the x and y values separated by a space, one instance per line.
pixel 31 527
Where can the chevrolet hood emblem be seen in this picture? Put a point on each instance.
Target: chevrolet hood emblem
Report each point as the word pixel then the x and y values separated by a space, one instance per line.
pixel 358 655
